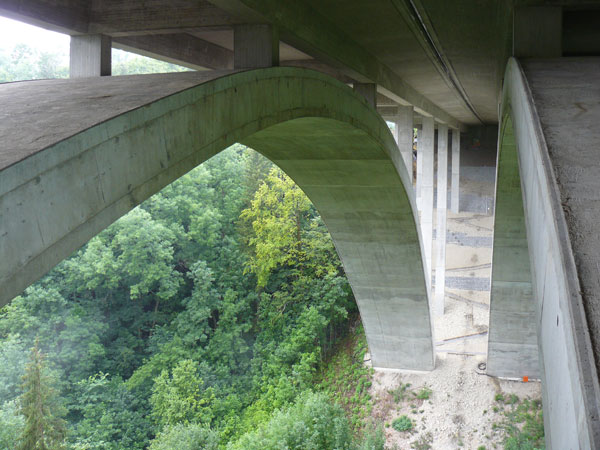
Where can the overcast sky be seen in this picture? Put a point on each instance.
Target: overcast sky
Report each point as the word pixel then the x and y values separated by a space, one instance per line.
pixel 13 32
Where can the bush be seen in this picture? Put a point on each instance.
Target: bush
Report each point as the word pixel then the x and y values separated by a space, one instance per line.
pixel 186 437
pixel 424 393
pixel 402 423
pixel 313 422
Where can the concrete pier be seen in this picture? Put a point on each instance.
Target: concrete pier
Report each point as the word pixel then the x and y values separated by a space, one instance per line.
pixel 403 133
pixel 255 46
pixel 455 188
pixel 419 183
pixel 440 227
pixel 426 154
pixel 90 56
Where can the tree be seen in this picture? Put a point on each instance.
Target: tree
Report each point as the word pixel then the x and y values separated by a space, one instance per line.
pixel 186 437
pixel 44 427
pixel 182 398
pixel 278 212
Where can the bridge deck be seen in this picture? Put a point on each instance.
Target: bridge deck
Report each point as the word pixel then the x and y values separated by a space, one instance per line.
pixel 34 116
pixel 567 98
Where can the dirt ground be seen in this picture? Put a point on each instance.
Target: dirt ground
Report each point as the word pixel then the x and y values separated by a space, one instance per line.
pixel 459 412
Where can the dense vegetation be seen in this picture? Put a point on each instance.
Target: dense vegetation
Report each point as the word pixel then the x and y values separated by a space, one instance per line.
pixel 208 317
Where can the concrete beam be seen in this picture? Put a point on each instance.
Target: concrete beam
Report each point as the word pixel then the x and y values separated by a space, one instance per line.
pixel 440 226
pixel 90 56
pixel 455 188
pixel 425 152
pixel 537 32
pixel 178 48
pixel 63 16
pixel 416 18
pixel 304 28
pixel 255 46
pixel 121 18
pixel 319 66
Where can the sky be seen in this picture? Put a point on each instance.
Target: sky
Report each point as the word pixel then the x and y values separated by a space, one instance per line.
pixel 13 32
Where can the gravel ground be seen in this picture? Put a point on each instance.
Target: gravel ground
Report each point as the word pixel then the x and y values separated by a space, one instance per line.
pixel 459 413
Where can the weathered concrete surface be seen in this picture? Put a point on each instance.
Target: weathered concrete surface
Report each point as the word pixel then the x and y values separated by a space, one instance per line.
pixel 80 161
pixel 455 186
pixel 425 145
pixel 90 56
pixel 512 341
pixel 557 138
pixel 440 225
pixel 404 135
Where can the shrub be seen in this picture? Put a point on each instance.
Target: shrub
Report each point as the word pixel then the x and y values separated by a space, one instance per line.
pixel 186 437
pixel 402 423
pixel 424 393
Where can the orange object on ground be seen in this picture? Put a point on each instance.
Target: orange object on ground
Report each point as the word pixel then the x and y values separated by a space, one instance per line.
pixel 525 379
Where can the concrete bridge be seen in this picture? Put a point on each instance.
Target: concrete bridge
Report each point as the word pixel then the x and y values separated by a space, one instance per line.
pixel 77 154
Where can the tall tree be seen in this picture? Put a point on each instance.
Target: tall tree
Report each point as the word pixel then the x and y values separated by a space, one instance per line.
pixel 44 427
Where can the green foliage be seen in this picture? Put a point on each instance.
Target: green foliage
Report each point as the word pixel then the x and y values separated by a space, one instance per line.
pixel 186 437
pixel 423 442
pixel 278 211
pixel 181 398
pixel 346 380
pixel 26 63
pixel 11 425
pixel 524 425
pixel 128 64
pixel 44 428
pixel 424 393
pixel 312 423
pixel 402 423
pixel 110 416
pixel 160 301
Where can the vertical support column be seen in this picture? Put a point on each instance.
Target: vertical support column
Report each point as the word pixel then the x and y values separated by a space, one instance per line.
pixel 419 167
pixel 368 91
pixel 426 153
pixel 440 234
pixel 255 46
pixel 455 191
pixel 404 136
pixel 90 56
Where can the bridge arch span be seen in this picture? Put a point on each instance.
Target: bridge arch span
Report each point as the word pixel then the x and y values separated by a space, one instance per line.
pixel 89 150
pixel 537 293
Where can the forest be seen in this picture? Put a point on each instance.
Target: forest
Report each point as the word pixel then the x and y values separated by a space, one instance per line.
pixel 215 315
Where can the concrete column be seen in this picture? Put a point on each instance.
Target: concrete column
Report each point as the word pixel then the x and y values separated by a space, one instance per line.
pixel 368 91
pixel 440 227
pixel 419 167
pixel 255 46
pixel 455 191
pixel 426 153
pixel 90 56
pixel 403 132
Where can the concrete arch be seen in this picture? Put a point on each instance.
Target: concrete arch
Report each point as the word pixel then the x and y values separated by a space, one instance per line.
pixel 566 361
pixel 512 339
pixel 89 150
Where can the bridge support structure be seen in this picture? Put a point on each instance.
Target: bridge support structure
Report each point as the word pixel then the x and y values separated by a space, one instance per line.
pixel 536 169
pixel 61 188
